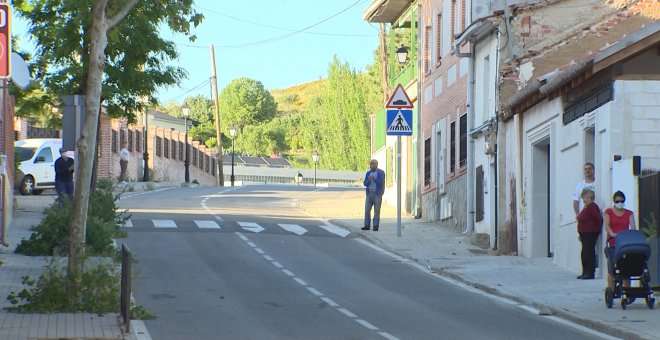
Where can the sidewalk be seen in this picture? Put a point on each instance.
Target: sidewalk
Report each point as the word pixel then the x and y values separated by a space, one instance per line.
pixel 14 267
pixel 535 283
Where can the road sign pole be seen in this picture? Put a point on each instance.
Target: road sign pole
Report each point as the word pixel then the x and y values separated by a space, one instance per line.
pixel 398 186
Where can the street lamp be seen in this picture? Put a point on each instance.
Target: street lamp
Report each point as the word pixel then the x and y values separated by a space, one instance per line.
pixel 315 158
pixel 186 163
pixel 402 54
pixel 232 133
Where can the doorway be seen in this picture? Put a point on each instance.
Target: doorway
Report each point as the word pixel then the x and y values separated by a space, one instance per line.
pixel 542 242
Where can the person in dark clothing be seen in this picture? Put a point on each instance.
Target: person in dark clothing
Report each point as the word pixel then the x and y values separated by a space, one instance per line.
pixel 374 181
pixel 64 175
pixel 589 225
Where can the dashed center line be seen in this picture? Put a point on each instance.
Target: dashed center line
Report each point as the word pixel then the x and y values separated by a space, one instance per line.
pixel 315 291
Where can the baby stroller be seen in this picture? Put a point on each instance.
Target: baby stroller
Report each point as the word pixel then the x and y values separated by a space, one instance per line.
pixel 628 261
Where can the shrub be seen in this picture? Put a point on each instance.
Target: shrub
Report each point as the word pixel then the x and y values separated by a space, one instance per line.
pixel 98 291
pixel 51 235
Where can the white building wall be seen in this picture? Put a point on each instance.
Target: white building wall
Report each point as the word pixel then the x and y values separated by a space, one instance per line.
pixel 485 59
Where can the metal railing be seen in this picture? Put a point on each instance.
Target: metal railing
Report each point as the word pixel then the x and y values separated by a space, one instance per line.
pixel 291 180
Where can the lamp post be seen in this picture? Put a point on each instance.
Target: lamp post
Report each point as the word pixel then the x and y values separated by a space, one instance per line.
pixel 315 158
pixel 402 54
pixel 186 162
pixel 232 133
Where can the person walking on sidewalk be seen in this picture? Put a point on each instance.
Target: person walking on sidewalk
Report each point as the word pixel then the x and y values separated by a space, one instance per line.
pixel 64 175
pixel 589 225
pixel 616 220
pixel 374 181
pixel 589 182
pixel 124 157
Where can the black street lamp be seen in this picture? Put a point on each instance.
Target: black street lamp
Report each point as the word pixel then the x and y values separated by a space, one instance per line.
pixel 315 158
pixel 232 132
pixel 186 163
pixel 402 54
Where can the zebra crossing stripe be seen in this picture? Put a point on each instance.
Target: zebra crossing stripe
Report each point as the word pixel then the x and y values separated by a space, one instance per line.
pixel 164 224
pixel 293 228
pixel 336 230
pixel 128 224
pixel 251 226
pixel 207 224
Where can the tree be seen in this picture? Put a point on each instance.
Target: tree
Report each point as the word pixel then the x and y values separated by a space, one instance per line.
pixel 246 102
pixel 76 39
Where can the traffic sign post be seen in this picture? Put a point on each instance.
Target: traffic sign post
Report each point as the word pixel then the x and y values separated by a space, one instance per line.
pixel 5 41
pixel 399 123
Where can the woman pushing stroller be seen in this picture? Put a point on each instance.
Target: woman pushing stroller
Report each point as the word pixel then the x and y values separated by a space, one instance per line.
pixel 616 220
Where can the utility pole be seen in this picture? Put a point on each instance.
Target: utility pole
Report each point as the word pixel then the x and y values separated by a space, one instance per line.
pixel 385 76
pixel 214 84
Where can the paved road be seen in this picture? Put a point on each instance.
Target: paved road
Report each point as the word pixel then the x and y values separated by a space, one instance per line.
pixel 243 263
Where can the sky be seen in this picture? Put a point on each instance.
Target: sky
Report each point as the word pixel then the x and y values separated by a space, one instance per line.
pixel 278 42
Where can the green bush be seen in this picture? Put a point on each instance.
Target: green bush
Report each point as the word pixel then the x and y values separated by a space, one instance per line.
pixel 51 235
pixel 98 291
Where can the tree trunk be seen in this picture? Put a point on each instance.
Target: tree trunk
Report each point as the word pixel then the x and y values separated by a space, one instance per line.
pixel 86 144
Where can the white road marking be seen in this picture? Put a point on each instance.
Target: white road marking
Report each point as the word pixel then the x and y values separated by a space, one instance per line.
pixel 329 302
pixel 164 224
pixel 293 228
pixel 207 224
pixel 336 230
pixel 251 226
pixel 347 312
pixel 128 224
pixel 313 290
pixel 366 324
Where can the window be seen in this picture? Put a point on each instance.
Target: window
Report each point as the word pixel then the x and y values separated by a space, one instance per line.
pixel 452 147
pixel 130 140
pixel 463 143
pixel 166 148
pixel 181 151
pixel 479 193
pixel 427 49
pixel 194 156
pixel 44 156
pixel 138 140
pixel 588 103
pixel 122 138
pixel 114 141
pixel 159 145
pixel 438 37
pixel 201 160
pixel 173 155
pixel 213 166
pixel 206 163
pixel 427 161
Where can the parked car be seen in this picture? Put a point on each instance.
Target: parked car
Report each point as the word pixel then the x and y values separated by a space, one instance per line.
pixel 36 164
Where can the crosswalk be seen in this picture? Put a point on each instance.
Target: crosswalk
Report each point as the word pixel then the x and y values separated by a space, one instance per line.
pixel 252 227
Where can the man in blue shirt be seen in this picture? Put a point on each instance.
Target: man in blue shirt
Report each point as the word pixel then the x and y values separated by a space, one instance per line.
pixel 374 180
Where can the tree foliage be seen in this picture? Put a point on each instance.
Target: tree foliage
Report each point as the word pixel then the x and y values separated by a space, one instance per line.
pixel 246 102
pixel 136 55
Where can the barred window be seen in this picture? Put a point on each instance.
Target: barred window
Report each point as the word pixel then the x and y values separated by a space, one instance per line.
pixel 213 166
pixel 122 138
pixel 201 160
pixel 427 161
pixel 166 148
pixel 207 163
pixel 138 141
pixel 114 141
pixel 452 147
pixel 463 141
pixel 159 143
pixel 130 140
pixel 194 156
pixel 173 155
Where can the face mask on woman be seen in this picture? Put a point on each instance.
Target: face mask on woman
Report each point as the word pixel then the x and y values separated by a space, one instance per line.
pixel 619 205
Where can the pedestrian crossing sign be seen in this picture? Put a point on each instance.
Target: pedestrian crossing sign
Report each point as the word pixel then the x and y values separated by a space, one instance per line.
pixel 399 122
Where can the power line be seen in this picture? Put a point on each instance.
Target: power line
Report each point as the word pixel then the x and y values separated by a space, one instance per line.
pixel 269 40
pixel 196 87
pixel 282 28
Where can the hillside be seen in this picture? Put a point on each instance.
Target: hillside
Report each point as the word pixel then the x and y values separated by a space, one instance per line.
pixel 294 98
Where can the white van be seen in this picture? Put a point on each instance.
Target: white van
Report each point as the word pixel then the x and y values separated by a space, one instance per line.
pixel 36 170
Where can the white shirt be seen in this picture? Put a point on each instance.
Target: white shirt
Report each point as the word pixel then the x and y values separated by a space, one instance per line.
pixel 124 154
pixel 577 195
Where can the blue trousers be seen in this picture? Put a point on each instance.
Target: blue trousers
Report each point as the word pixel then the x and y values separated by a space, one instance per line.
pixel 64 188
pixel 372 200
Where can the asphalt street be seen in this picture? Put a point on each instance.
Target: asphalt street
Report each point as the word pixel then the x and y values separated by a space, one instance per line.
pixel 245 263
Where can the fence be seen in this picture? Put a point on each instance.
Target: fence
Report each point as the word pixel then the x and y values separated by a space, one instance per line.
pixel 125 295
pixel 291 180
